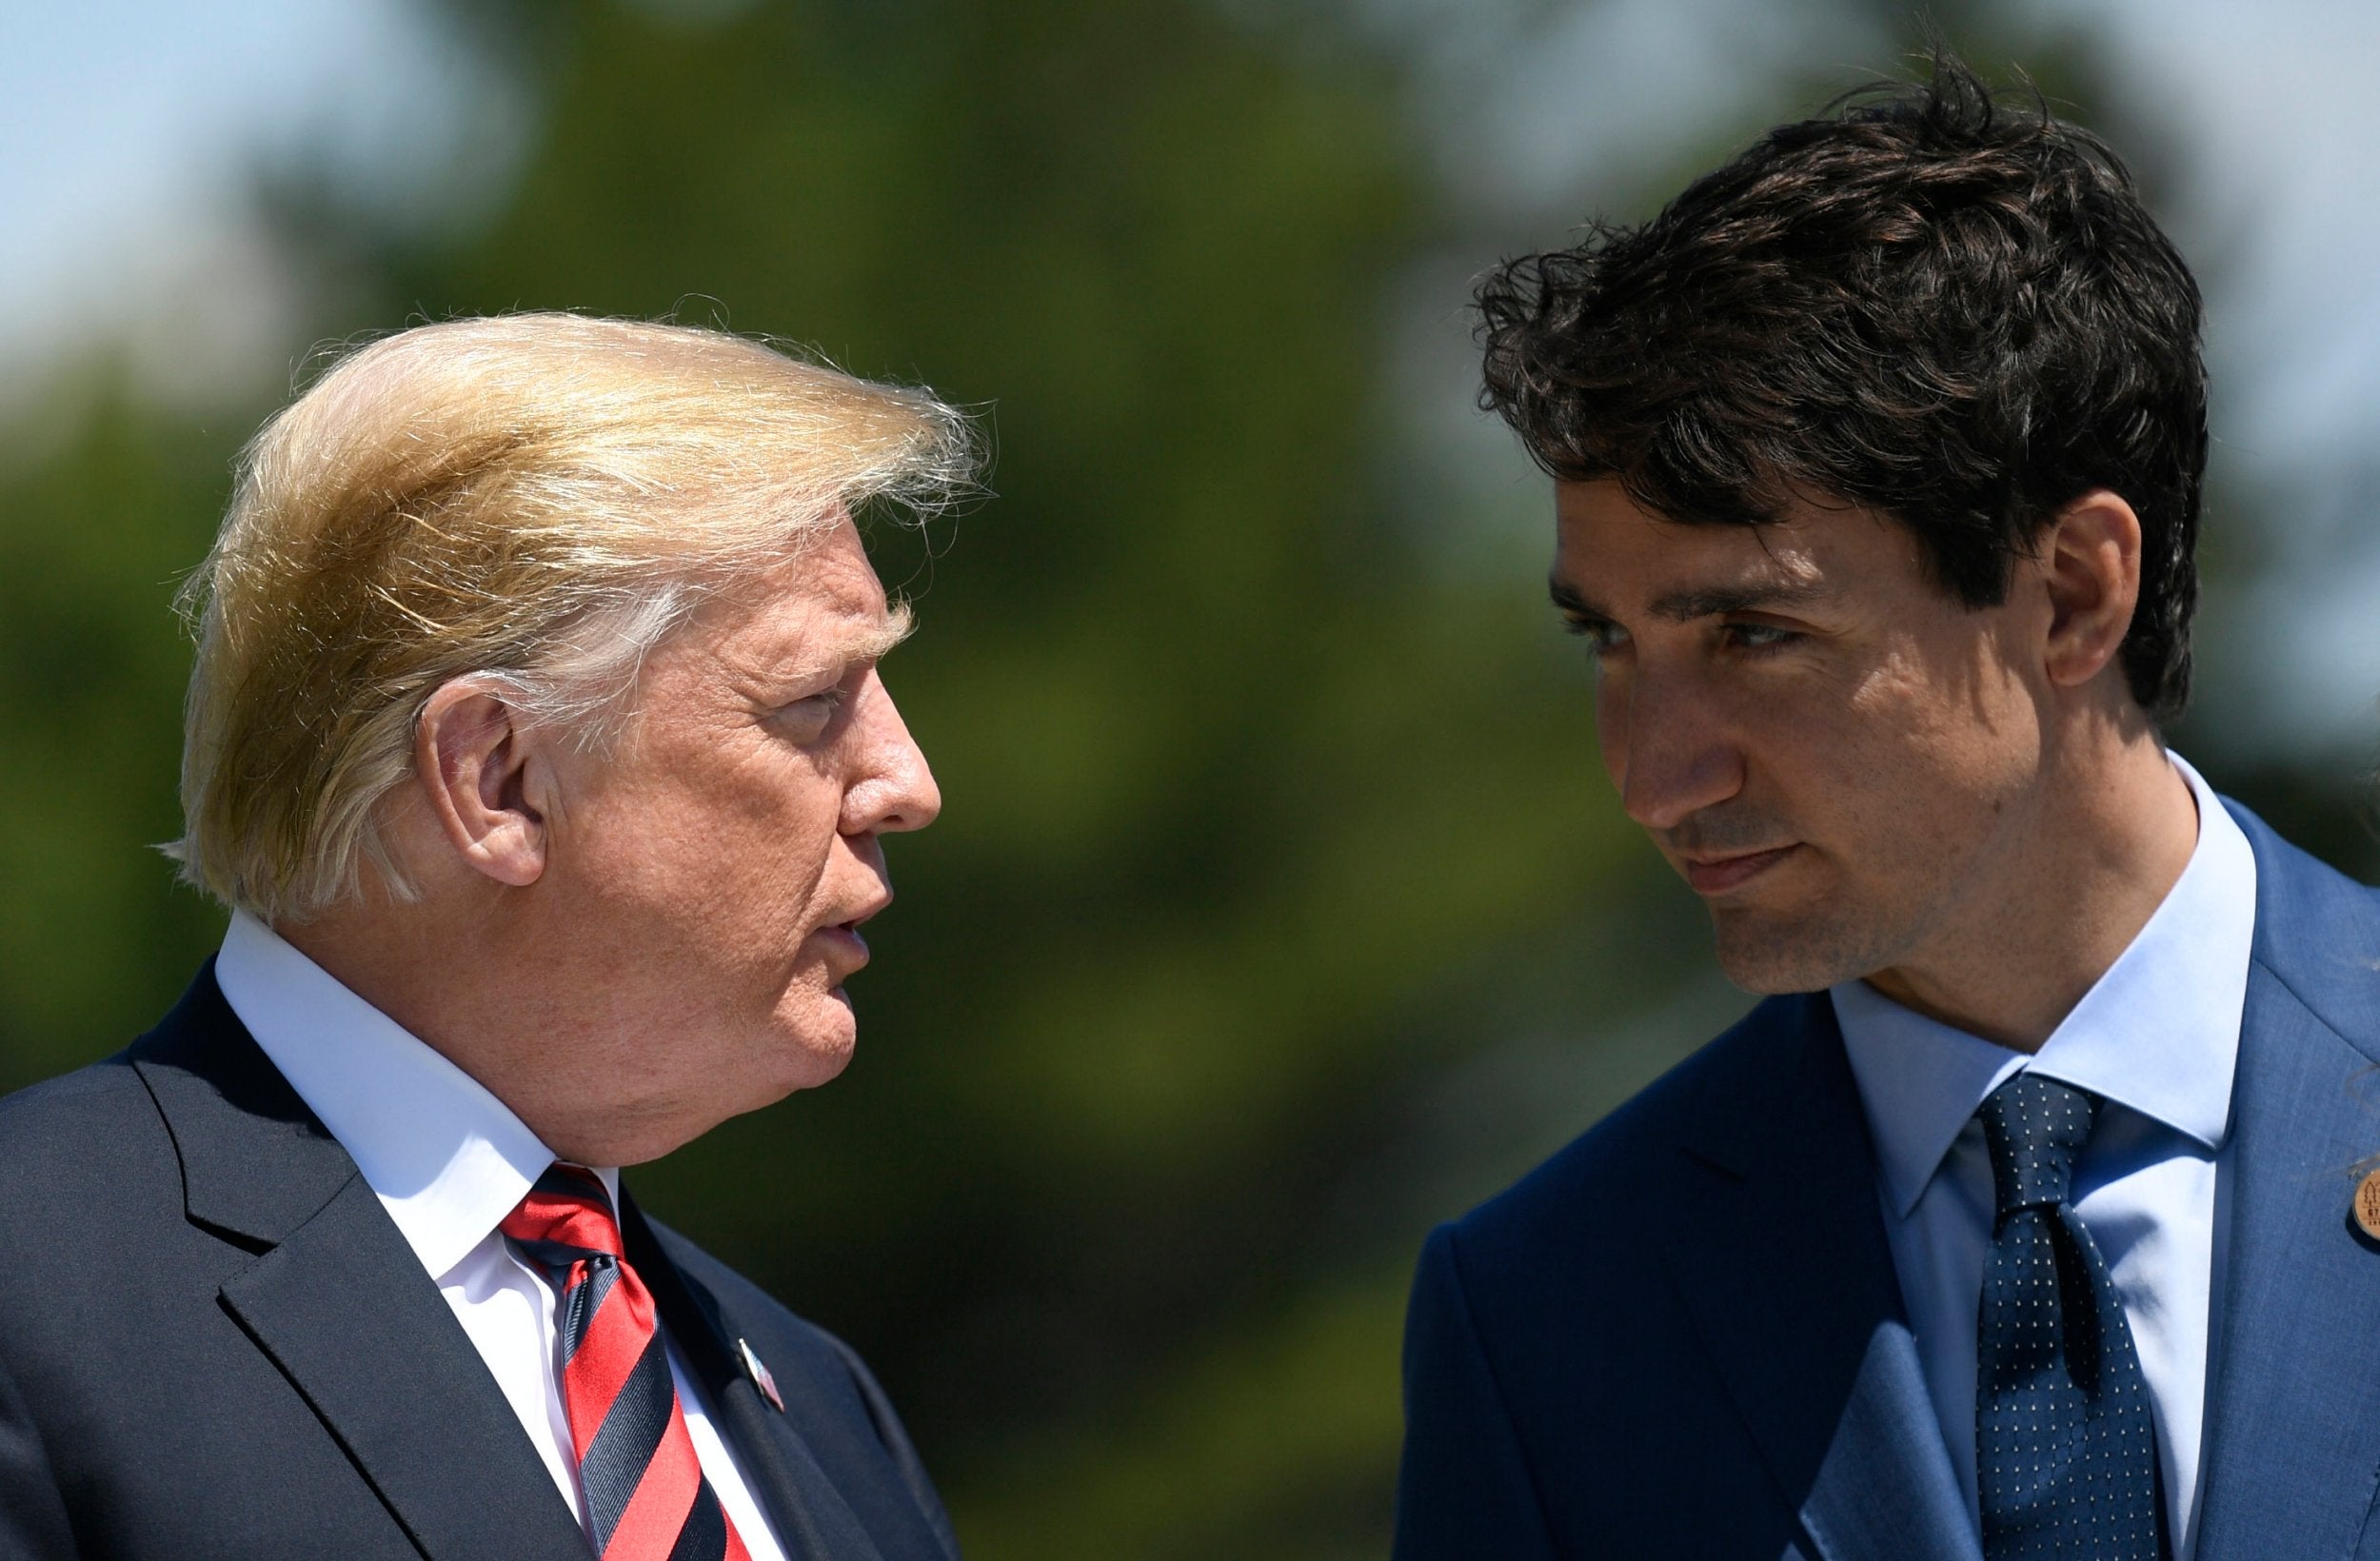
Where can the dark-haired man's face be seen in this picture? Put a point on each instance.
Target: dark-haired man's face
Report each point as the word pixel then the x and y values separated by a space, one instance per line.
pixel 1841 760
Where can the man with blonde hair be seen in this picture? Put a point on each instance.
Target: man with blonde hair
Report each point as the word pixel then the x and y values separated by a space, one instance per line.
pixel 537 744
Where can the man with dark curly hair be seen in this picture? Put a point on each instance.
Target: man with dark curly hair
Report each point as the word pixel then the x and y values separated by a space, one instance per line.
pixel 2020 1220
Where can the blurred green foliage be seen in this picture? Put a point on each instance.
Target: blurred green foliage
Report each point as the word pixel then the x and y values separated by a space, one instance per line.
pixel 1277 908
pixel 96 534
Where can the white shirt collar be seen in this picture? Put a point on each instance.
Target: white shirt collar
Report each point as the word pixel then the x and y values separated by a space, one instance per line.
pixel 448 1160
pixel 2158 1033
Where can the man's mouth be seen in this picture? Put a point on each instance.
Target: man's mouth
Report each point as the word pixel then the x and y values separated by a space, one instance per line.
pixel 849 949
pixel 1714 875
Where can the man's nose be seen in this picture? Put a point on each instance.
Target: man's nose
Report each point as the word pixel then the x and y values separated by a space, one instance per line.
pixel 894 791
pixel 1670 751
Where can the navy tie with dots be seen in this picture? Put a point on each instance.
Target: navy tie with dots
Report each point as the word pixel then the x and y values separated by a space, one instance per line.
pixel 2066 1461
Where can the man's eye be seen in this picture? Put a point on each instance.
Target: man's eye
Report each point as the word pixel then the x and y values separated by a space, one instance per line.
pixel 1602 635
pixel 813 711
pixel 1758 636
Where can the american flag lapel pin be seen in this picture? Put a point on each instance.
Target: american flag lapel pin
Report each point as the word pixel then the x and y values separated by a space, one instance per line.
pixel 759 1374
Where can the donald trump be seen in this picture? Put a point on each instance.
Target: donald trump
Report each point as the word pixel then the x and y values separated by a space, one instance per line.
pixel 537 743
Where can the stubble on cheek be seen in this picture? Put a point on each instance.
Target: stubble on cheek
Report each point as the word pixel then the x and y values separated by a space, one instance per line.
pixel 1897 864
pixel 1818 924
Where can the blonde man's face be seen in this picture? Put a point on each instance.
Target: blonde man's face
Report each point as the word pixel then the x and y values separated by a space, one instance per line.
pixel 710 876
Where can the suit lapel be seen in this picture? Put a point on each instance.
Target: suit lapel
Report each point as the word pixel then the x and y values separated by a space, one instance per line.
pixel 2293 1408
pixel 812 1520
pixel 378 1354
pixel 1782 1258
pixel 339 1302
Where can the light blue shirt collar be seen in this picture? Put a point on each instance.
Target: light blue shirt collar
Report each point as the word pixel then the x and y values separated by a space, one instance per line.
pixel 446 1158
pixel 2158 1033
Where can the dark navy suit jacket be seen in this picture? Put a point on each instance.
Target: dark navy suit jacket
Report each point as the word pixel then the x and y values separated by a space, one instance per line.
pixel 213 1342
pixel 1682 1335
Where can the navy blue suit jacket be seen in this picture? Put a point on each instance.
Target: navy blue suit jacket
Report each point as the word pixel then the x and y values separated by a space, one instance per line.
pixel 214 1342
pixel 1682 1335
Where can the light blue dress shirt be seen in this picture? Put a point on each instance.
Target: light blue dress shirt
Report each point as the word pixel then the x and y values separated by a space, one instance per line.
pixel 2157 1039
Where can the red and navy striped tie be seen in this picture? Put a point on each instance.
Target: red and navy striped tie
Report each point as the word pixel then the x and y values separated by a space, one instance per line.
pixel 646 1499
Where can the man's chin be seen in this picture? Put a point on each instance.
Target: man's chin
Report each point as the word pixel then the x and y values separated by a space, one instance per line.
pixel 814 1040
pixel 1770 955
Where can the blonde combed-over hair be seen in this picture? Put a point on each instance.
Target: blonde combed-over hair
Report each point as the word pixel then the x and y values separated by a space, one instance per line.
pixel 535 500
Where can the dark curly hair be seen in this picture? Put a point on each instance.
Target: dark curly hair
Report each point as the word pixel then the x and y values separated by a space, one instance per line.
pixel 1931 301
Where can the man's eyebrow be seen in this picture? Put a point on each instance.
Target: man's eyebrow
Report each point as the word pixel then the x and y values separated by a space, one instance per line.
pixel 872 642
pixel 1700 601
pixel 1570 603
pixel 1714 600
pixel 846 644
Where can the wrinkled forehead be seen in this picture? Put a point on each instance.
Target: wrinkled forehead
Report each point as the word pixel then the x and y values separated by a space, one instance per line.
pixel 817 608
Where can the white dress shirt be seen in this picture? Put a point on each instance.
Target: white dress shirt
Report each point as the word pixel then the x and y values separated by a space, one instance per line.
pixel 2157 1039
pixel 448 1161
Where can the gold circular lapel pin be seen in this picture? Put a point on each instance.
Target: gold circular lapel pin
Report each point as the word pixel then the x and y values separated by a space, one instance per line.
pixel 2368 1205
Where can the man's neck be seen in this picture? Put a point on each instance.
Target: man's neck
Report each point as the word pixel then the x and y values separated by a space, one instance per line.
pixel 2108 846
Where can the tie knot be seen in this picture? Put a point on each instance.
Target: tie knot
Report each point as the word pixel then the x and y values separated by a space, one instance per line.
pixel 568 1209
pixel 2035 1127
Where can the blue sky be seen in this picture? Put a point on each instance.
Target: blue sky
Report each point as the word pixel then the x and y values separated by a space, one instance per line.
pixel 127 129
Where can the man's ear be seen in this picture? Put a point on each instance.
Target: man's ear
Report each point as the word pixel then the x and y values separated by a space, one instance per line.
pixel 482 773
pixel 2089 560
